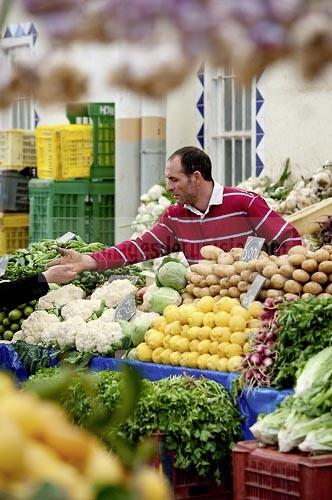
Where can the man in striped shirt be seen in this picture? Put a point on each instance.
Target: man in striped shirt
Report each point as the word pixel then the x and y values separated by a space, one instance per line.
pixel 206 213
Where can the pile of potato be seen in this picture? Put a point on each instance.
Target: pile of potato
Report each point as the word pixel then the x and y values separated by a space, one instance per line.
pixel 301 272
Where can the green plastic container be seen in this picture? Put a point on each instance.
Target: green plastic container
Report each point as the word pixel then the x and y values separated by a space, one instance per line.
pixel 102 216
pixel 57 207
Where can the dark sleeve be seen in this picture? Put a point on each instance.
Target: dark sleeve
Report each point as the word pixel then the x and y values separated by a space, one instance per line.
pixel 14 293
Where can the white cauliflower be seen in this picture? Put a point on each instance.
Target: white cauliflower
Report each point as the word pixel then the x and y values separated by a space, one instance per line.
pixel 86 338
pixel 81 307
pixel 59 297
pixel 34 326
pixel 108 315
pixel 63 333
pixel 49 337
pixel 113 293
pixel 18 336
pixel 108 334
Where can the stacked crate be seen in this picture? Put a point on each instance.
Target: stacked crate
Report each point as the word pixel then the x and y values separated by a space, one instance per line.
pixel 17 162
pixel 75 188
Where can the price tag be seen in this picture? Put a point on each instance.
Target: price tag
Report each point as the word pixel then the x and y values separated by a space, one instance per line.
pixel 3 264
pixel 253 290
pixel 67 237
pixel 132 279
pixel 252 248
pixel 126 309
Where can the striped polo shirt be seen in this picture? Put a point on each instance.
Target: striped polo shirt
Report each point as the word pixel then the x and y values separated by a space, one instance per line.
pixel 231 216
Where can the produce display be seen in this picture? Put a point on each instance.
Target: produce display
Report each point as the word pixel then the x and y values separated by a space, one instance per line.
pixel 209 335
pixel 301 273
pixel 303 420
pixel 11 320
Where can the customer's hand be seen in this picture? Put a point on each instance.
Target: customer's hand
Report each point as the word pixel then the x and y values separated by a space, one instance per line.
pixel 78 261
pixel 60 274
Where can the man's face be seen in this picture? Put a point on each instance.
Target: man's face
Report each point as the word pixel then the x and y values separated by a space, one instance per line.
pixel 185 188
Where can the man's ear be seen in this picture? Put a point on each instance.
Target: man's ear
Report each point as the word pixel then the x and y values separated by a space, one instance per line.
pixel 197 176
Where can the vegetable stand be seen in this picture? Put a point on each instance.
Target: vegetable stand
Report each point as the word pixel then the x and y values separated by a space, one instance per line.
pixel 251 402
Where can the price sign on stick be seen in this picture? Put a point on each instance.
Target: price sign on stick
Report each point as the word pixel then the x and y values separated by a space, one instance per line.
pixel 252 248
pixel 253 290
pixel 132 279
pixel 3 264
pixel 67 237
pixel 126 309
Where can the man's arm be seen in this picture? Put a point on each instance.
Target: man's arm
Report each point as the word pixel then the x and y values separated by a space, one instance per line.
pixel 280 235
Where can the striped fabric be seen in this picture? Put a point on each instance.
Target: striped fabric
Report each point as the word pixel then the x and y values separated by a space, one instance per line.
pixel 227 225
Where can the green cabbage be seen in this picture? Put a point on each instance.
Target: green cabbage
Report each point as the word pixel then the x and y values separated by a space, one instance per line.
pixel 141 325
pixel 172 275
pixel 164 297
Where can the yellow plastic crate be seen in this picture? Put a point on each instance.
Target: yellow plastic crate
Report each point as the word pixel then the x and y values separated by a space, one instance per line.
pixel 63 151
pixel 14 232
pixel 29 148
pixel 307 220
pixel 11 149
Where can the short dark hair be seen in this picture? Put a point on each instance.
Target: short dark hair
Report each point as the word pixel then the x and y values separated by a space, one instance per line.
pixel 194 159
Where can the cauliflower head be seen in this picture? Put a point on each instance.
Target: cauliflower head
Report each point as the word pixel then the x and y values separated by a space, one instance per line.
pixel 34 326
pixel 113 293
pixel 68 330
pixel 59 297
pixel 81 307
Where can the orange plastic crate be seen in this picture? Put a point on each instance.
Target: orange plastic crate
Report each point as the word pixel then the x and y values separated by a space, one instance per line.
pixel 14 232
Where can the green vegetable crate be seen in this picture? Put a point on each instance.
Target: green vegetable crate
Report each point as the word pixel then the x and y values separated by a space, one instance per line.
pixel 267 474
pixel 102 117
pixel 186 484
pixel 83 207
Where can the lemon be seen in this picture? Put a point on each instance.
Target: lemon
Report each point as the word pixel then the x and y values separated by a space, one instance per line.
pixel 205 304
pixel 240 311
pixel 156 354
pixel 255 309
pixel 212 362
pixel 234 363
pixel 208 319
pixel 237 324
pixel 224 304
pixel 159 323
pixel 220 333
pixel 185 311
pixel 144 352
pixel 213 349
pixel 182 344
pixel 165 355
pixel 204 333
pixel 154 338
pixel 147 333
pixel 174 358
pixel 239 338
pixel 222 348
pixel 166 341
pixel 202 361
pixel 196 319
pixel 222 318
pixel 193 332
pixel 246 347
pixel 193 346
pixel 171 313
pixel 192 359
pixel 233 350
pixel 184 330
pixel 173 342
pixel 184 359
pixel 222 365
pixel 203 346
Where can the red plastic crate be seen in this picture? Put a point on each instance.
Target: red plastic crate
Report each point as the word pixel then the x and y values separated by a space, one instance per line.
pixel 266 474
pixel 186 484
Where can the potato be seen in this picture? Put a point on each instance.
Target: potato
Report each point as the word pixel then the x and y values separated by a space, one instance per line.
pixel 306 295
pixel 202 269
pixel 212 279
pixel 253 276
pixel 324 294
pixel 270 270
pixel 287 270
pixel 278 281
pixel 214 290
pixel 296 259
pixel 325 266
pixel 274 259
pixel 235 279
pixel 201 292
pixel 321 255
pixel 229 270
pixel 224 283
pixel 282 260
pixel 292 286
pixel 190 288
pixel 234 292
pixel 262 295
pixel 328 289
pixel 328 248
pixel 330 277
pixel 224 293
pixel 225 259
pixel 319 277
pixel 298 249
pixel 195 278
pixel 186 295
pixel 291 296
pixel 188 300
pixel 274 293
pixel 313 288
pixel 245 275
pixel 243 286
pixel 301 276
pixel 252 265
pixel 267 284
pixel 242 296
pixel 309 265
pixel 219 270
pixel 240 266
pixel 211 252
pixel 262 263
pixel 236 253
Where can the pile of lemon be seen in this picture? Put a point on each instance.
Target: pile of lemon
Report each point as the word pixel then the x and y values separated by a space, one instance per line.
pixel 209 334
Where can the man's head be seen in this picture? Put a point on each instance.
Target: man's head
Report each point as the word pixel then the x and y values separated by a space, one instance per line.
pixel 188 170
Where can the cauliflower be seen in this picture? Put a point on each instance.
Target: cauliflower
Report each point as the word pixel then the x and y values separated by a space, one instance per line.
pixel 50 335
pixel 113 293
pixel 59 297
pixel 81 307
pixel 108 334
pixel 86 338
pixel 108 315
pixel 34 326
pixel 63 333
pixel 18 336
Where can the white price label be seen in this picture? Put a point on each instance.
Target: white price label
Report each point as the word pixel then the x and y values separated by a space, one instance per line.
pixel 67 237
pixel 252 248
pixel 126 309
pixel 253 290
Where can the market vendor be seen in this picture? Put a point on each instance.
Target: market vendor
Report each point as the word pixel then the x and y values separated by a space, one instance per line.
pixel 205 213
pixel 14 293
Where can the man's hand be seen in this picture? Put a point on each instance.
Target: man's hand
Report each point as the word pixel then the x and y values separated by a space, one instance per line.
pixel 78 261
pixel 60 274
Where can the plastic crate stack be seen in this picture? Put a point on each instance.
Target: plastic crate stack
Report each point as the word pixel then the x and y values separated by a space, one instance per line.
pixel 17 163
pixel 75 168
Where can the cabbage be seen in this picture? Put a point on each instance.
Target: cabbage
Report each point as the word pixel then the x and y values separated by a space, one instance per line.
pixel 316 370
pixel 164 297
pixel 141 325
pixel 172 275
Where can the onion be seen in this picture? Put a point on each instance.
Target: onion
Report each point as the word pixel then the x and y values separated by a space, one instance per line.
pixel 256 359
pixel 267 362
